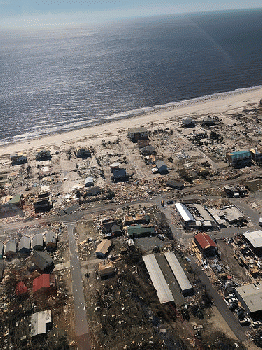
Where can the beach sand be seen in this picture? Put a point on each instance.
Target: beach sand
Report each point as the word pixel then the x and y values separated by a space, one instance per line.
pixel 220 105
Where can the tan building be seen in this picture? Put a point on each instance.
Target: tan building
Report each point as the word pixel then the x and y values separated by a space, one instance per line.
pixel 103 248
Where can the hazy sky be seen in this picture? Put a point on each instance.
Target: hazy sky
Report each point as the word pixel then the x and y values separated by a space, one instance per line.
pixel 35 13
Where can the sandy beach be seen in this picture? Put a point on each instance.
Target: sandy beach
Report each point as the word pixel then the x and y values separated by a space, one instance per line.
pixel 220 105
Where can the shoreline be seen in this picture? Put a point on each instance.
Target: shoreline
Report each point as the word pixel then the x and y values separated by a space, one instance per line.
pixel 218 103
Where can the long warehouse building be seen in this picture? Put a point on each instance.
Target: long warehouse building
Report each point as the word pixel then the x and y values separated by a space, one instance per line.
pixel 163 292
pixel 184 284
pixel 185 214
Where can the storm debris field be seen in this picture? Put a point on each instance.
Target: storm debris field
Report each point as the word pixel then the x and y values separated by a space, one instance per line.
pixel 156 226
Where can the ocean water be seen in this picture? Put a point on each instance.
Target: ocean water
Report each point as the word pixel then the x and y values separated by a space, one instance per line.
pixel 68 78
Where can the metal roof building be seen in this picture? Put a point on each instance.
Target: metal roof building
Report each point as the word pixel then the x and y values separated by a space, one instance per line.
pixel 207 246
pixel 179 273
pixel 140 230
pixel 163 292
pixel 40 322
pixel 251 295
pixel 185 213
pixel 203 213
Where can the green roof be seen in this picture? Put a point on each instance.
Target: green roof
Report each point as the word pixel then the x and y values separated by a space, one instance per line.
pixel 139 230
pixel 15 200
pixel 240 154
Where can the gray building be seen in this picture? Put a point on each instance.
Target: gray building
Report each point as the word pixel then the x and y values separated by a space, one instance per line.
pixel 10 248
pixel 43 261
pixel 156 275
pixel 38 242
pixel 50 240
pixel 250 296
pixel 184 284
pixel 24 246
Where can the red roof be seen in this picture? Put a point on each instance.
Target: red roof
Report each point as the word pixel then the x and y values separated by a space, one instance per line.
pixel 43 281
pixel 204 240
pixel 20 288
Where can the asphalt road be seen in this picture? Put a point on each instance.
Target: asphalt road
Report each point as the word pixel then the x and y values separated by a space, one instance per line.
pixel 81 325
pixel 219 302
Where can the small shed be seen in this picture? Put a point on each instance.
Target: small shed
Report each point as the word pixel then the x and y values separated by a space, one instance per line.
pixel 38 242
pixel 43 283
pixel 41 322
pixel 89 181
pixel 116 230
pixel 24 246
pixel 10 248
pixel 103 248
pixel 43 261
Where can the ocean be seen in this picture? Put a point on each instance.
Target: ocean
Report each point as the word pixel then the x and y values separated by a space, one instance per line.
pixel 66 78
